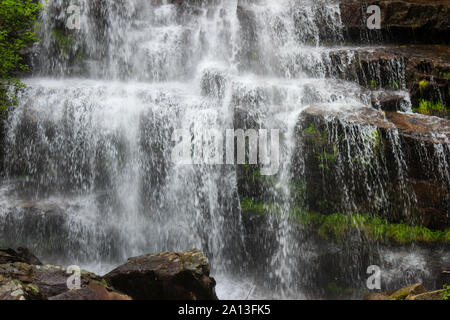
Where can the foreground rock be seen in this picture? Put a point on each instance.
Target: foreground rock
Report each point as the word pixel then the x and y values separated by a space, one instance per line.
pixel 166 276
pixel 21 281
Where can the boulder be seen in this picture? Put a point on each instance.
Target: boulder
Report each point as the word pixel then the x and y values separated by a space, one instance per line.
pixel 22 281
pixel 165 276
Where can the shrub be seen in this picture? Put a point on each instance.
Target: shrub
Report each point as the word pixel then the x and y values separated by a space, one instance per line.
pixel 17 18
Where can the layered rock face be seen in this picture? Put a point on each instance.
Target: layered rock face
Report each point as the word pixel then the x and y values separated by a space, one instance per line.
pixel 390 161
pixel 181 276
pixel 410 21
pixel 370 161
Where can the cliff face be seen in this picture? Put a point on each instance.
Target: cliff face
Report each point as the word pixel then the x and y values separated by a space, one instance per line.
pixel 410 21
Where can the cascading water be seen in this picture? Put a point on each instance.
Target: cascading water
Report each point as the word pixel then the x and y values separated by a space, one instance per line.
pixel 88 161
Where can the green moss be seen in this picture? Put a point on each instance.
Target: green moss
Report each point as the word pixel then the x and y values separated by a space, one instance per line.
pixel 325 158
pixel 400 296
pixel 445 75
pixel 247 205
pixel 65 43
pixel 326 152
pixel 337 225
pixel 315 135
pixel 33 288
pixel 311 129
pixel 423 85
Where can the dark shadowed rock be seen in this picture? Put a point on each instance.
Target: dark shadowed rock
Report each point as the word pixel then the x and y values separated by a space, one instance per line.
pixel 23 255
pixel 420 21
pixel 165 276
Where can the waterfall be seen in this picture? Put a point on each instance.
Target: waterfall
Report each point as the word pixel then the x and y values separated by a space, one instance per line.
pixel 89 176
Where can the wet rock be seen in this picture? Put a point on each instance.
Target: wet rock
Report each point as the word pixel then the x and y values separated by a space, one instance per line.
pixel 423 70
pixel 213 83
pixel 410 21
pixel 413 292
pixel 166 276
pixel 376 296
pixel 23 255
pixel 387 101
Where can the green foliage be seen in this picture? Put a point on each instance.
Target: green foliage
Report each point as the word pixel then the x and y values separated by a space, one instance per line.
pixel 446 293
pixel 395 85
pixel 326 152
pixel 428 108
pixel 324 158
pixel 445 75
pixel 248 205
pixel 65 43
pixel 17 18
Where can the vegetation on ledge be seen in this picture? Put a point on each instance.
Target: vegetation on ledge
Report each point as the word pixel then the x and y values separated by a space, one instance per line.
pixel 337 225
pixel 16 21
pixel 428 108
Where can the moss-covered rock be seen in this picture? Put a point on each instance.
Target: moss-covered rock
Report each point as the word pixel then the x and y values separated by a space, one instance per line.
pixel 338 225
pixel 411 290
